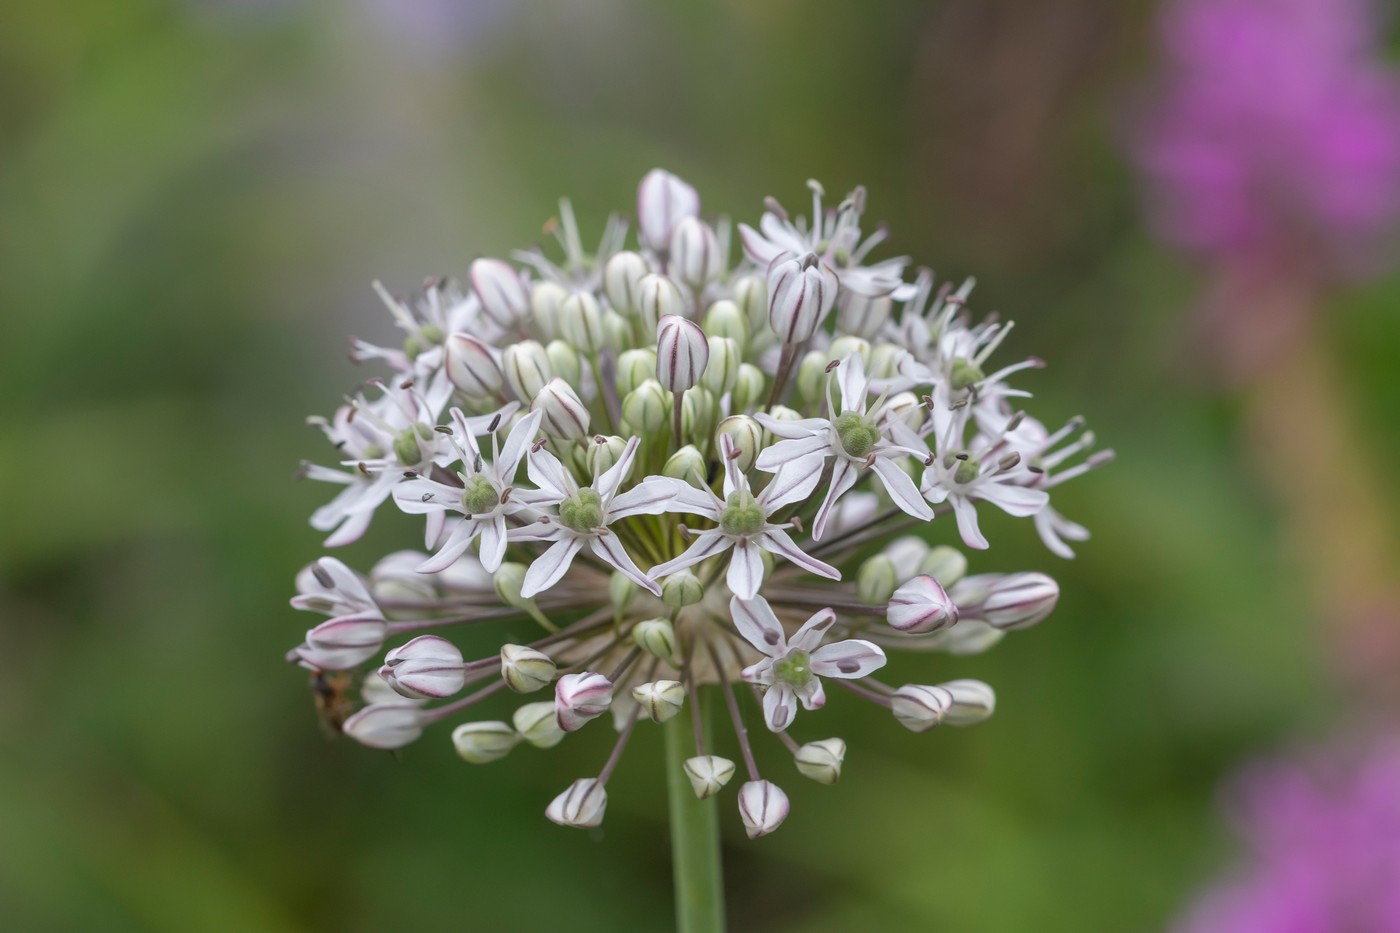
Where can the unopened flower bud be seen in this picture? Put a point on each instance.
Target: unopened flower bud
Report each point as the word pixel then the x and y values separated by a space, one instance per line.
pixel 724 319
pixel 682 353
pixel 635 367
pixel 908 555
pixel 526 670
pixel 1007 601
pixel 351 639
pixel 885 359
pixel 483 742
pixel 659 297
pixel 763 806
pixel 751 295
pixel 876 580
pixel 472 366
pixel 581 697
pixel 821 761
pixel 746 436
pixel 564 361
pixel 969 636
pixel 687 464
pixel 663 201
pixel 921 605
pixel 812 376
pixel 945 564
pixel 862 316
pixel 427 666
pixel 526 368
pixel 509 581
pixel 617 331
pixel 657 637
pixel 500 289
pixel 385 725
pixel 602 452
pixel 538 725
pixel 622 281
pixel 723 369
pixel 661 699
pixel 695 256
pixel 545 299
pixel 748 387
pixel 919 707
pixel 801 291
pixel 708 774
pixel 973 702
pixel 582 805
pixel 563 414
pixel 699 409
pixel 622 590
pixel 581 322
pixel 681 589
pixel 906 407
pixel 845 346
pixel 646 408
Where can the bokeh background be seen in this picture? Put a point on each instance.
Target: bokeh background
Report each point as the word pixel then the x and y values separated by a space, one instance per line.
pixel 194 197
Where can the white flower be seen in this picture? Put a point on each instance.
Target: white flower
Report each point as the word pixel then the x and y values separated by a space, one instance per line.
pixel 357 628
pixel 484 497
pixel 855 437
pixel 743 521
pixel 791 668
pixel 581 516
pixel 959 479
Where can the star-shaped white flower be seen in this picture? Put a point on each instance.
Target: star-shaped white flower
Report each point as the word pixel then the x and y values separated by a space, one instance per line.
pixel 484 498
pixel 743 520
pixel 961 478
pixel 580 517
pixel 856 437
pixel 791 668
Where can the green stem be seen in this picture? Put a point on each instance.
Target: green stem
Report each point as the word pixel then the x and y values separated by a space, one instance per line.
pixel 699 878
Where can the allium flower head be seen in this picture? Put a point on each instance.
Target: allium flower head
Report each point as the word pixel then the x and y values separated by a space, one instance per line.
pixel 560 424
pixel 1274 133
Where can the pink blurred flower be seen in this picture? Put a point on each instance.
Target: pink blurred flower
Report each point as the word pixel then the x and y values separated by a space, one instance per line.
pixel 1273 134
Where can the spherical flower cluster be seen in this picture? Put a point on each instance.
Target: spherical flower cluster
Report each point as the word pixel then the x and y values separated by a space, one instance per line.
pixel 692 474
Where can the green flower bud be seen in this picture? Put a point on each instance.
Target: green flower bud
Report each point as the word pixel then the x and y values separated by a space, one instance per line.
pixel 660 700
pixel 821 761
pixel 621 591
pixel 646 408
pixel 723 371
pixel 884 361
pixel 581 322
pixel 622 281
pixel 509 580
pixel 751 295
pixel 687 464
pixel 906 407
pixel 876 580
pixel 527 368
pixel 812 376
pixel 844 346
pixel 635 367
pixel 862 316
pixel 483 742
pixel 545 299
pixel 946 565
pixel 699 409
pixel 617 333
pixel 659 297
pixel 746 435
pixel 526 670
pixel 657 637
pixel 564 361
pixel 602 452
pixel 537 725
pixel 724 319
pixel 749 387
pixel 681 589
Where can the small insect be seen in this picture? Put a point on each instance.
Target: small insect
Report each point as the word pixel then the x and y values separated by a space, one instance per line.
pixel 331 692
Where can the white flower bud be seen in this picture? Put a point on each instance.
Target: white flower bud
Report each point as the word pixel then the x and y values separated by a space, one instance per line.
pixel 602 452
pixel 353 639
pixel 427 666
pixel 526 368
pixel 861 316
pixel 751 295
pixel 745 434
pixel 526 670
pixel 622 281
pixel 621 591
pixel 581 322
pixel 538 725
pixel 646 408
pixel 973 702
pixel 845 346
pixel 682 353
pixel 563 414
pixel 763 806
pixel 876 580
pixel 945 564
pixel 564 361
pixel 482 742
pixel 659 297
pixel 617 331
pixel 821 761
pixel 908 555
pixel 906 407
pixel 660 700
pixel 663 200
pixel 921 605
pixel 919 707
pixel 812 376
pixel 969 636
pixel 748 387
pixel 500 289
pixel 724 319
pixel 385 725
pixel 582 805
pixel 1007 601
pixel 801 291
pixel 545 299
pixel 657 637
pixel 885 359
pixel 723 370
pixel 579 698
pixel 708 774
pixel 698 412
pixel 472 366
pixel 510 581
pixel 695 256
pixel 687 464
pixel 681 589
pixel 633 368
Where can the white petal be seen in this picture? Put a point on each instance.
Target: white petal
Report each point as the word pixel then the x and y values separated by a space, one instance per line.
pixel 779 707
pixel 772 458
pixel 454 547
pixel 759 625
pixel 608 484
pixel 493 541
pixel 421 496
pixel 847 659
pixel 745 570
pixel 546 472
pixel 1020 501
pixel 706 544
pixel 653 497
pixel 901 488
pixel 684 497
pixel 782 427
pixel 850 376
pixel 521 437
pixel 843 476
pixel 781 543
pixel 546 569
pixel 794 482
pixel 966 514
pixel 610 549
pixel 812 694
pixel 810 635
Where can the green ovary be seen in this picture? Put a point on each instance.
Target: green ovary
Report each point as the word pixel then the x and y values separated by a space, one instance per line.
pixel 583 512
pixel 742 515
pixel 858 434
pixel 795 669
pixel 479 496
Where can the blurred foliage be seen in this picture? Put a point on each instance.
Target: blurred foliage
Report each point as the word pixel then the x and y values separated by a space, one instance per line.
pixel 193 198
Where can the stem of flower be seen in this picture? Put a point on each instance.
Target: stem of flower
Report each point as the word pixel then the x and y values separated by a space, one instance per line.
pixel 696 869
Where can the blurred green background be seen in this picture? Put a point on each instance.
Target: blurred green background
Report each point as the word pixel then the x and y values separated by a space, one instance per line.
pixel 194 198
